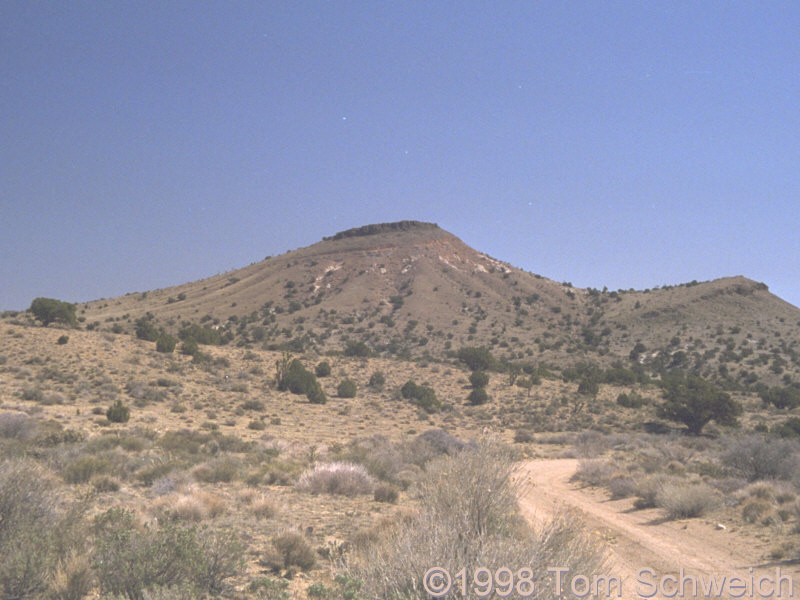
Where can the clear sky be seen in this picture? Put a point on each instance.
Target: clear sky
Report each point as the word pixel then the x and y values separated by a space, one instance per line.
pixel 619 144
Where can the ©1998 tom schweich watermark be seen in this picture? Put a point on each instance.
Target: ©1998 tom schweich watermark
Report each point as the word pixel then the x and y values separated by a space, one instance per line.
pixel 648 583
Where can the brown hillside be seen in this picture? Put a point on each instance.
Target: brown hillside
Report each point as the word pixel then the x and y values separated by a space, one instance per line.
pixel 413 289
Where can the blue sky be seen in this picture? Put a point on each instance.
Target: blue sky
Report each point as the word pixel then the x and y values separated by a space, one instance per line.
pixel 619 144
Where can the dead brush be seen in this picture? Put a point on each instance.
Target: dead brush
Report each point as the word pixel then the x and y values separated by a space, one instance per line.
pixel 338 478
pixel 468 517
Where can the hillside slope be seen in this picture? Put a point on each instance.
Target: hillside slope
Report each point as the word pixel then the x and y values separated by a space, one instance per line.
pixel 412 289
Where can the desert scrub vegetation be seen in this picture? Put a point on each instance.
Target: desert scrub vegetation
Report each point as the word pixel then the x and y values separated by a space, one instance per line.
pixel 688 476
pixel 459 525
pixel 421 395
pixel 340 478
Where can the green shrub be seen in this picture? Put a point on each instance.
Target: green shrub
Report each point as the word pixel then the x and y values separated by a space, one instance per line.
pixel 145 330
pixel 477 359
pixel 50 310
pixel 118 412
pixel 189 347
pixel 458 524
pixel 346 389
pixel 322 369
pixel 356 348
pixel 632 400
pixel 298 379
pixel 790 428
pixel 316 395
pixel 253 404
pixel 165 343
pixel 62 340
pixel 694 402
pixel 201 334
pixel 35 535
pixel 83 468
pixel 377 380
pixel 409 390
pixel 479 379
pixel 129 559
pixel 478 396
pixel 421 395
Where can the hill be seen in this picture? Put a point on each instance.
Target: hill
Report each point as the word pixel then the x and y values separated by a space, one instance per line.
pixel 413 290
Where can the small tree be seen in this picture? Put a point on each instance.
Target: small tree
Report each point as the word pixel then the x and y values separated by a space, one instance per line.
pixel 695 402
pixel 50 310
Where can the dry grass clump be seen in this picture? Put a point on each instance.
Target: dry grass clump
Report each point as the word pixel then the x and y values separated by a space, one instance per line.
pixel 386 492
pixel 755 457
pixel 16 425
pixel 289 551
pixel 194 506
pixel 261 505
pixel 461 523
pixel 621 486
pixel 594 471
pixel 341 478
pixel 647 490
pixel 756 509
pixel 218 470
pixel 686 500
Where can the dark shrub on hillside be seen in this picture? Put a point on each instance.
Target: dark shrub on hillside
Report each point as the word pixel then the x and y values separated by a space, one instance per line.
pixel 165 343
pixel 145 330
pixel 354 348
pixel 632 400
pixel 788 397
pixel 298 379
pixel 189 347
pixel 790 428
pixel 63 340
pixel 695 402
pixel 479 379
pixel 421 395
pixel 323 369
pixel 377 380
pixel 118 412
pixel 409 390
pixel 201 334
pixel 477 359
pixel 346 389
pixel 50 310
pixel 478 396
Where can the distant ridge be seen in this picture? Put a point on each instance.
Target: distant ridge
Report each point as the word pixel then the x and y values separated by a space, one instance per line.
pixel 379 228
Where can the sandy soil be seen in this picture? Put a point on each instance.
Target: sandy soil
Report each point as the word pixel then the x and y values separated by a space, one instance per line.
pixel 641 539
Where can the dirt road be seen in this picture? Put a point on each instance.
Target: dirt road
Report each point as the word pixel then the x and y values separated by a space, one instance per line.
pixel 641 539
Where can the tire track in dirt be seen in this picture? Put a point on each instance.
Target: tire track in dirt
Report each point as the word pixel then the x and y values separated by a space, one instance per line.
pixel 641 539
